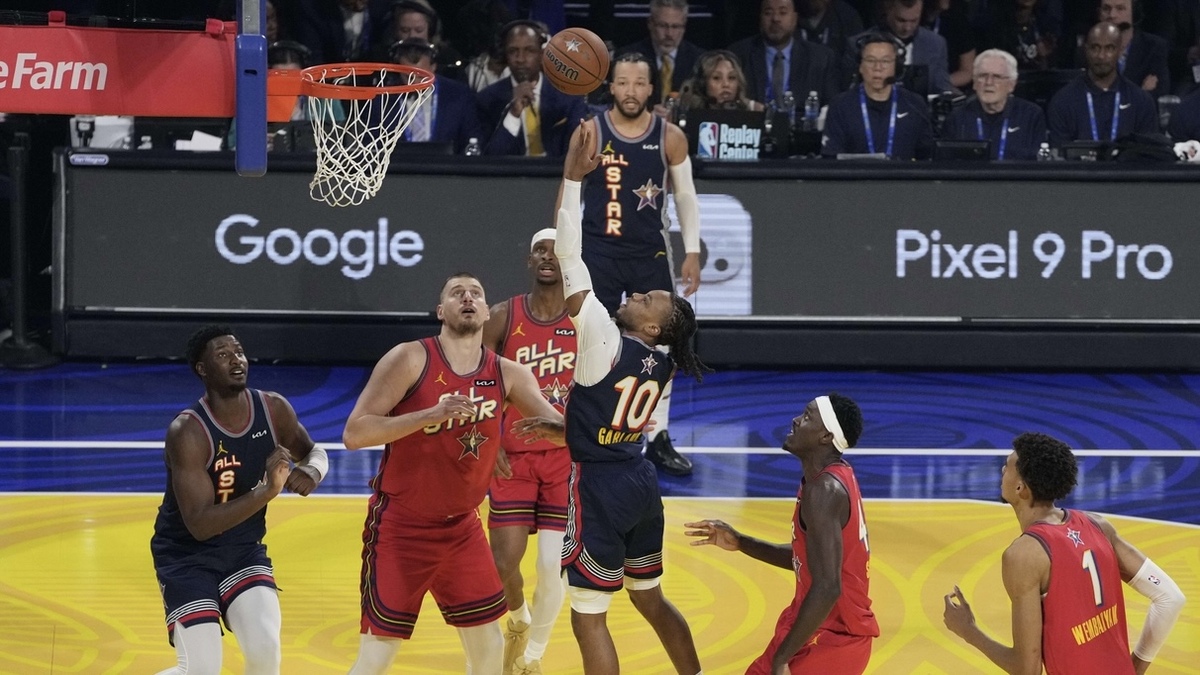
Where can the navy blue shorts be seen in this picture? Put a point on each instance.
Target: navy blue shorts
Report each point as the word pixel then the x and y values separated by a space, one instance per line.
pixel 613 277
pixel 199 588
pixel 614 524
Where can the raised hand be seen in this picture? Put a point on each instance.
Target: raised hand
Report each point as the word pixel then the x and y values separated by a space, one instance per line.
pixel 582 157
pixel 522 97
pixel 958 616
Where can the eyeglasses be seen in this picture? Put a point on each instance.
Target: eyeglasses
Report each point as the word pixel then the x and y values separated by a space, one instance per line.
pixel 991 77
pixel 879 63
pixel 669 26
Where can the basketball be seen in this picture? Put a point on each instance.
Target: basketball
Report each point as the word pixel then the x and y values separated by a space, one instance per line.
pixel 575 61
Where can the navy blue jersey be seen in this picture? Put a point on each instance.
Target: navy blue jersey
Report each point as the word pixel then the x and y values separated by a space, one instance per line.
pixel 846 133
pixel 1019 129
pixel 1185 119
pixel 237 462
pixel 1070 118
pixel 605 420
pixel 625 199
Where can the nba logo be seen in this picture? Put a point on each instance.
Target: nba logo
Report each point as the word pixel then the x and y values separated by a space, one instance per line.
pixel 706 140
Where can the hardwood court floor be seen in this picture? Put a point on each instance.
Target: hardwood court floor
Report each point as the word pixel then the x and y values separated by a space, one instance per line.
pixel 78 595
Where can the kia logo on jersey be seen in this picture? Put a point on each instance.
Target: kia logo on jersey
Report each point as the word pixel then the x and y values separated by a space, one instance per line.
pixel 706 140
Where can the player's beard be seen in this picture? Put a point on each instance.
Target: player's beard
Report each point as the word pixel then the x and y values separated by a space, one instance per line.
pixel 463 328
pixel 620 107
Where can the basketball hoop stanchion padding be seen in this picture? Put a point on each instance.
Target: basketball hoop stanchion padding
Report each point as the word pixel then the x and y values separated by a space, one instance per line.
pixel 358 112
pixel 251 117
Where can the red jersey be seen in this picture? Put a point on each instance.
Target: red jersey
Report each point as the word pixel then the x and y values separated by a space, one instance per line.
pixel 548 348
pixel 852 614
pixel 444 469
pixel 1083 610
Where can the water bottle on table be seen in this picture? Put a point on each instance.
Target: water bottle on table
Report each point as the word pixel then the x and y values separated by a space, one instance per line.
pixel 812 111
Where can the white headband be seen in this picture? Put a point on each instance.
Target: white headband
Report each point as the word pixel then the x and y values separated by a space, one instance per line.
pixel 831 423
pixel 546 233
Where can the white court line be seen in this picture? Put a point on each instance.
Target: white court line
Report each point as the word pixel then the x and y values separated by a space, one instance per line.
pixel 363 496
pixel 696 450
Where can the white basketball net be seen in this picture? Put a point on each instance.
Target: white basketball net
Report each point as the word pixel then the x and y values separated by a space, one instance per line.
pixel 355 137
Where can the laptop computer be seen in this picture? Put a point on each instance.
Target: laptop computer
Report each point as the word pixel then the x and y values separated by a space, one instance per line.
pixel 725 135
pixel 962 150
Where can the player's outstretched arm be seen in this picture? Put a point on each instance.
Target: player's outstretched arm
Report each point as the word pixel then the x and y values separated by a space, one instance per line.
pixel 187 452
pixel 686 207
pixel 540 419
pixel 1024 565
pixel 1147 578
pixel 568 243
pixel 312 462
pixel 721 534
pixel 369 423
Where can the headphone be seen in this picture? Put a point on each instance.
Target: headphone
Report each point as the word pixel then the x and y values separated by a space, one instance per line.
pixel 281 50
pixel 540 30
pixel 402 6
pixel 412 46
pixel 880 37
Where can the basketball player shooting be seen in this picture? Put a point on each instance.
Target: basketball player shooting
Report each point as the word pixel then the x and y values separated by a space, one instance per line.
pixel 614 536
pixel 625 243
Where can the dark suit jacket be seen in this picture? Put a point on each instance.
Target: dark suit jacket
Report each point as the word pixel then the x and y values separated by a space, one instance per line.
pixel 559 115
pixel 317 24
pixel 457 119
pixel 685 63
pixel 813 68
pixel 1147 56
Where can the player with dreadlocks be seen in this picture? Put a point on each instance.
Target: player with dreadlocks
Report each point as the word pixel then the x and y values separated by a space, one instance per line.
pixel 614 534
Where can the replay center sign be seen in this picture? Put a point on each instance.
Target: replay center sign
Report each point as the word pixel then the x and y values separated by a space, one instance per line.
pixel 805 249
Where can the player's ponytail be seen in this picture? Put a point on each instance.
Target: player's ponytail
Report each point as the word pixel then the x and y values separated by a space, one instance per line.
pixel 678 335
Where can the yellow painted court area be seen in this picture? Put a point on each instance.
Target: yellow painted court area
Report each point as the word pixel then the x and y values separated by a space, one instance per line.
pixel 78 593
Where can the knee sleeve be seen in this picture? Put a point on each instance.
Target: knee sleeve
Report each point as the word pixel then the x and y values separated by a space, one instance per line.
pixel 641 584
pixel 255 620
pixel 197 650
pixel 375 655
pixel 588 601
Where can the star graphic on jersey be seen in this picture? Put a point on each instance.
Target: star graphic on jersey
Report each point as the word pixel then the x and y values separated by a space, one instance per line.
pixel 573 45
pixel 221 448
pixel 519 330
pixel 471 441
pixel 648 194
pixel 1073 535
pixel 556 393
pixel 648 364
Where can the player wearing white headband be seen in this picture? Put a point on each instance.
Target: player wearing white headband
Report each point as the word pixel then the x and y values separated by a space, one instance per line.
pixel 829 625
pixel 534 330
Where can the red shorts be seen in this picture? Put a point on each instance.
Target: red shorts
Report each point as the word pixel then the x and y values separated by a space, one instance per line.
pixel 825 652
pixel 405 557
pixel 536 495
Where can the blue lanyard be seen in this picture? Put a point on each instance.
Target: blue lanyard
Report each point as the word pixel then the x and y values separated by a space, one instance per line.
pixel 1003 135
pixel 1116 116
pixel 862 101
